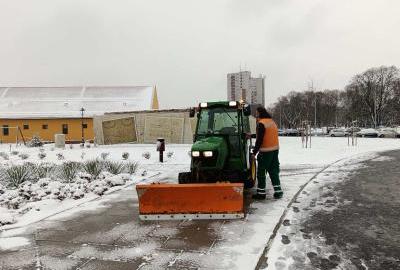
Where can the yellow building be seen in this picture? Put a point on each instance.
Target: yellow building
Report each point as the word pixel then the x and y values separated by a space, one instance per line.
pixel 26 112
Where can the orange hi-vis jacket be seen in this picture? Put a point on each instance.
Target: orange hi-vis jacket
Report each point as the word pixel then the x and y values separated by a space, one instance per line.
pixel 270 141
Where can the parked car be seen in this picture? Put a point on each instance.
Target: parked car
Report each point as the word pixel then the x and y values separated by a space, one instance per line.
pixel 367 132
pixel 387 133
pixel 281 132
pixel 352 130
pixel 317 132
pixel 397 129
pixel 337 132
pixel 292 132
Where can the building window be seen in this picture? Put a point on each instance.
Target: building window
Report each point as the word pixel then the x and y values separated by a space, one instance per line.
pixel 45 126
pixel 26 126
pixel 84 125
pixel 6 131
pixel 65 128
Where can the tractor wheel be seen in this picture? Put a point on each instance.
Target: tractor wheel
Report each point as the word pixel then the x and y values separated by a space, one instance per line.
pixel 251 180
pixel 185 178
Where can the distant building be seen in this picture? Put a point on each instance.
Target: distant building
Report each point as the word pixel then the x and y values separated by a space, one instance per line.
pixel 241 86
pixel 26 112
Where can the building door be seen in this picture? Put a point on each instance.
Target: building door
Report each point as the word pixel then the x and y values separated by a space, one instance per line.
pixel 65 128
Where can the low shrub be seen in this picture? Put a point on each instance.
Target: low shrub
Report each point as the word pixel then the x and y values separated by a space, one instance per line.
pixel 125 155
pixel 104 155
pixel 69 170
pixel 4 155
pixel 146 155
pixel 114 167
pixel 93 167
pixel 42 155
pixel 60 156
pixel 44 170
pixel 35 142
pixel 131 167
pixel 23 156
pixel 16 175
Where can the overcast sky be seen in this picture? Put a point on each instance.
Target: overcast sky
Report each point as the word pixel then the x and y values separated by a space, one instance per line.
pixel 187 47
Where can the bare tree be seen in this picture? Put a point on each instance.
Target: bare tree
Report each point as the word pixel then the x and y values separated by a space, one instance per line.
pixel 375 88
pixel 372 98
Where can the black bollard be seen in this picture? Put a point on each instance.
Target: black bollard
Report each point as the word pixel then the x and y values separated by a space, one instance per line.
pixel 161 148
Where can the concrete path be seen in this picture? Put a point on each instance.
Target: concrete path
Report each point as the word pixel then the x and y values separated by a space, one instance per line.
pixel 355 224
pixel 110 236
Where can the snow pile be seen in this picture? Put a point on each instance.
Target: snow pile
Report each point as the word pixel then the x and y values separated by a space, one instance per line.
pixel 11 199
pixel 6 217
pixel 2 189
pixel 98 186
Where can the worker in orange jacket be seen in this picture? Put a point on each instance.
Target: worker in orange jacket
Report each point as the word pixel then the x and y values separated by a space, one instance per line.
pixel 267 147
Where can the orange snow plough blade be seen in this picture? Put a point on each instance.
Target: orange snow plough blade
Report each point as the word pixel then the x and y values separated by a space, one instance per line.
pixel 190 201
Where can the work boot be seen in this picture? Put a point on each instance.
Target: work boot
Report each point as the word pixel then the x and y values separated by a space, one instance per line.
pixel 278 194
pixel 258 196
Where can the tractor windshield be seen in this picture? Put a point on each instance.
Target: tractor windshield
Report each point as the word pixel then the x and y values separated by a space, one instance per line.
pixel 218 121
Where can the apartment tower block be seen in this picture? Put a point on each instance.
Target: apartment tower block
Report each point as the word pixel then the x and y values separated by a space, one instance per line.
pixel 241 86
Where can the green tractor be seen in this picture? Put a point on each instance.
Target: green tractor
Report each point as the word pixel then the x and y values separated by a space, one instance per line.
pixel 222 144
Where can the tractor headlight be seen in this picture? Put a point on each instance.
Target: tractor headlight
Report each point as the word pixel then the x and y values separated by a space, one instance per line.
pixel 203 105
pixel 208 153
pixel 232 103
pixel 195 154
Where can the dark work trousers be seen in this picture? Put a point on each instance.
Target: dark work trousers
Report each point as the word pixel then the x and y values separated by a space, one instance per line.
pixel 268 162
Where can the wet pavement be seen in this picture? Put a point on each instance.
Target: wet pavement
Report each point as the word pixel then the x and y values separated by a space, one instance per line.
pixel 112 237
pixel 354 224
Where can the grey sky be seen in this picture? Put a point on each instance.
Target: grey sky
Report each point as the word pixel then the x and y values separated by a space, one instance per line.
pixel 187 47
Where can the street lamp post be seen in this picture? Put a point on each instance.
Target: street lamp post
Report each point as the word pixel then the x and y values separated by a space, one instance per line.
pixel 83 136
pixel 315 112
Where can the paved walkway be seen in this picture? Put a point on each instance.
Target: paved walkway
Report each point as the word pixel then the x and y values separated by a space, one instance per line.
pixel 112 237
pixel 350 224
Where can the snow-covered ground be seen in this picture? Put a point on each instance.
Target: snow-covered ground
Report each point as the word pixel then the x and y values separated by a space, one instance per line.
pixel 323 151
pixel 240 243
pixel 291 242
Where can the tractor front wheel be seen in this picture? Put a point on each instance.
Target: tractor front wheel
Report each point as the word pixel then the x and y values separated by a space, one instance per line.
pixel 251 180
pixel 185 178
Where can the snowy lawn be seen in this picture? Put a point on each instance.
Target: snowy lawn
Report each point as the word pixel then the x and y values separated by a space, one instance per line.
pixel 240 243
pixel 38 182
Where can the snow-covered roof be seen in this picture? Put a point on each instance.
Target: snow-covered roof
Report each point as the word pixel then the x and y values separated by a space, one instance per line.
pixel 40 102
